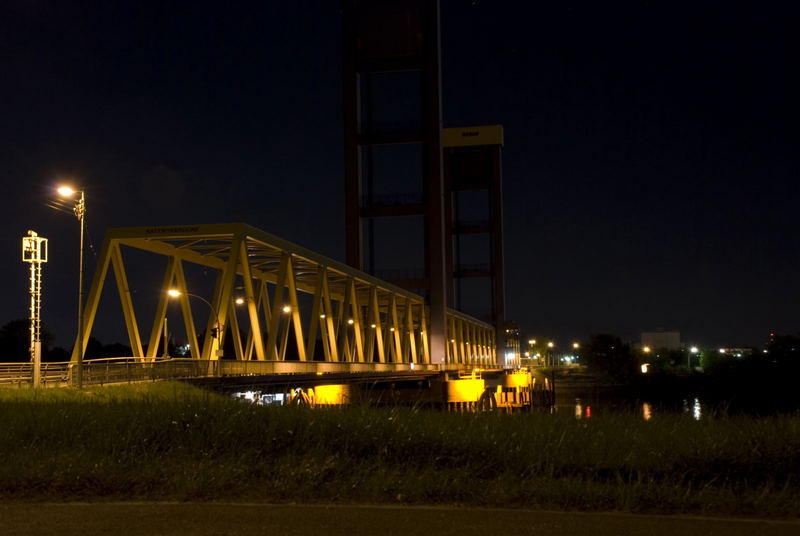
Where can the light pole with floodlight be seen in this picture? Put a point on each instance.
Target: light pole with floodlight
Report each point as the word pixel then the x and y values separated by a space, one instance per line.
pixel 80 212
pixel 175 293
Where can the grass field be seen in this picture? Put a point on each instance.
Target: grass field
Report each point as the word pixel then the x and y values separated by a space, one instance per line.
pixel 169 441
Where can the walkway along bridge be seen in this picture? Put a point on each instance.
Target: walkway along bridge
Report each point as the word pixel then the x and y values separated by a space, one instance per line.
pixel 306 315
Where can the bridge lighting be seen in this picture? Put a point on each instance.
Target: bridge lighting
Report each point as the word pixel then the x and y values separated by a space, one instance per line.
pixel 322 315
pixel 372 326
pixel 350 321
pixel 287 309
pixel 174 293
pixel 239 301
pixel 391 329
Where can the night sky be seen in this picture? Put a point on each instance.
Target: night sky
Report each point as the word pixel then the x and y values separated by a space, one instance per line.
pixel 650 158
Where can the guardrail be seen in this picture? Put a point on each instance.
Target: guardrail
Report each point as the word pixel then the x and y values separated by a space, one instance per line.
pixel 133 370
pixel 20 373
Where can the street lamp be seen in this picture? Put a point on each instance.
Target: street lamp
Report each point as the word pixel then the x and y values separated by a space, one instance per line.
pixel 217 331
pixel 692 350
pixel 80 212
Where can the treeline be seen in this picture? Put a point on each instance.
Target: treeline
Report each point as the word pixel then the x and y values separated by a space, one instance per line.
pixel 15 341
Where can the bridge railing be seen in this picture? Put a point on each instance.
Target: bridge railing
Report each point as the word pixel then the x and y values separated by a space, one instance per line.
pixel 20 373
pixel 134 370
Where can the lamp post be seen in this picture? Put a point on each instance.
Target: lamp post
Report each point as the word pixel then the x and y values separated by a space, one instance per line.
pixel 692 350
pixel 217 331
pixel 80 212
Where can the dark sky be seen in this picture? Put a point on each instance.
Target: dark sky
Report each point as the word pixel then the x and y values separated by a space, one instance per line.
pixel 650 162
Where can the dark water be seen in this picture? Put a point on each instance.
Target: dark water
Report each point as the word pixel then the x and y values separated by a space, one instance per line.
pixel 694 399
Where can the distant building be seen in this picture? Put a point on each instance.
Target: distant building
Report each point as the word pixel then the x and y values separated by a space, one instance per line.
pixel 670 340
pixel 512 344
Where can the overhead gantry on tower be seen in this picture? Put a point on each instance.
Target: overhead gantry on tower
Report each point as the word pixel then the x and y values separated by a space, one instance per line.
pixel 345 316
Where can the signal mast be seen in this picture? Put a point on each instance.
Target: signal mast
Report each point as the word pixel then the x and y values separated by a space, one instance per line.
pixel 34 251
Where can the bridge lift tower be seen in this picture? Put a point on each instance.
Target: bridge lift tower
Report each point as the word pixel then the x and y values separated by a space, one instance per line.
pixel 392 121
pixel 394 166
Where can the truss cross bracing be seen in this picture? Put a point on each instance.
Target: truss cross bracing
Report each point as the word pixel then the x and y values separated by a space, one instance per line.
pixel 350 316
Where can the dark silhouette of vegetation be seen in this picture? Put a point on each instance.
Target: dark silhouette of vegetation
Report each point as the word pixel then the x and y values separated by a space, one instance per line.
pixel 15 341
pixel 607 355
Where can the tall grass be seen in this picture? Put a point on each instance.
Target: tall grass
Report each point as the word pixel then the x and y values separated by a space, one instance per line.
pixel 170 441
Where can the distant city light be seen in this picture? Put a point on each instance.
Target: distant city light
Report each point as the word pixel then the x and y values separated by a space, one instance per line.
pixel 694 349
pixel 646 349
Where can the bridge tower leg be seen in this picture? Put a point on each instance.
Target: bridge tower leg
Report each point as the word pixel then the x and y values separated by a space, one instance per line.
pixel 474 207
pixel 392 117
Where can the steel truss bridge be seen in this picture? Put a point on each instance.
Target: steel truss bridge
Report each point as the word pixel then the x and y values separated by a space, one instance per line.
pixel 302 309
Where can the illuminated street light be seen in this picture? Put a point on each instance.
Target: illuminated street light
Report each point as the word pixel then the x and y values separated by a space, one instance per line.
pixel 532 342
pixel 646 349
pixel 80 212
pixel 550 344
pixel 216 332
pixel 575 345
pixel 692 350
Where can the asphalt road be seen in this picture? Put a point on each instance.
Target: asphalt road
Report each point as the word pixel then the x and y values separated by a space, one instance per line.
pixel 218 519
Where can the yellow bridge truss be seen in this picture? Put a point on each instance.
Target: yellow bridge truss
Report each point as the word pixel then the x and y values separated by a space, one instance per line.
pixel 354 316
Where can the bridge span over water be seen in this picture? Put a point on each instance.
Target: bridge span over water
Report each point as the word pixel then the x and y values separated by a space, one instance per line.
pixel 297 305
pixel 292 317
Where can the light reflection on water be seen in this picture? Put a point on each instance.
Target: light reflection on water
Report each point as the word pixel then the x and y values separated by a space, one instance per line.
pixel 690 407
